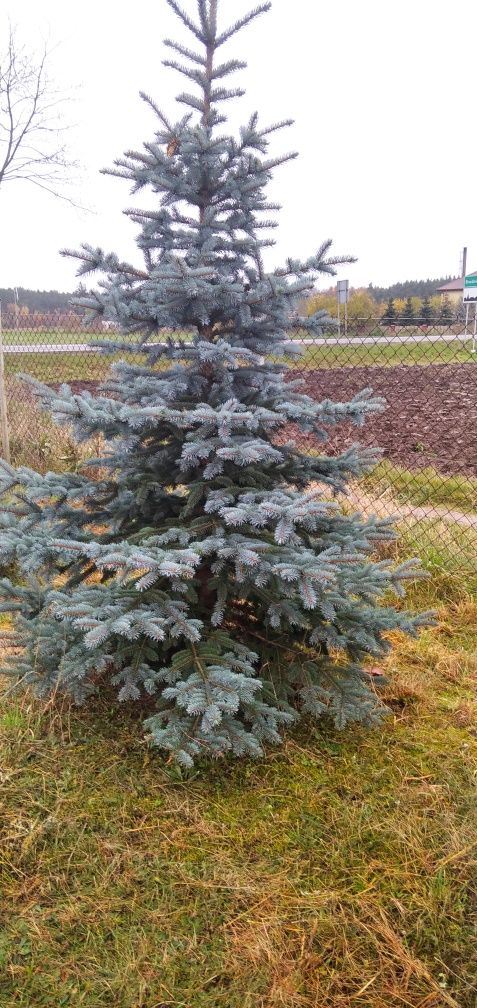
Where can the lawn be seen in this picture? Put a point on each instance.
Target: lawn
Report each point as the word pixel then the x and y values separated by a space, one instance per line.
pixel 424 486
pixel 381 354
pixel 59 367
pixel 338 871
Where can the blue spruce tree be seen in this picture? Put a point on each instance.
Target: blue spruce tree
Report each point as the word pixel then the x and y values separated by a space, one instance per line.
pixel 198 561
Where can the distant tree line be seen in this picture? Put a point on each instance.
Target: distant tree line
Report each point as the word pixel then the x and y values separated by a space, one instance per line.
pixel 416 312
pixel 394 304
pixel 44 302
pixel 362 309
pixel 406 289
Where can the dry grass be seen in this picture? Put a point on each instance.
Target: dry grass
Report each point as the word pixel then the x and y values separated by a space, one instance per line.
pixel 35 440
pixel 339 871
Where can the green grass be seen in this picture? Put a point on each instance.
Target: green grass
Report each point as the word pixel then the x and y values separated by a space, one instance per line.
pixel 424 487
pixel 62 367
pixel 448 553
pixel 385 355
pixel 338 871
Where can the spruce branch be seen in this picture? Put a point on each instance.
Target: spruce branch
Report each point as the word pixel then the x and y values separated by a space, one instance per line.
pixel 242 22
pixel 186 20
pixel 183 51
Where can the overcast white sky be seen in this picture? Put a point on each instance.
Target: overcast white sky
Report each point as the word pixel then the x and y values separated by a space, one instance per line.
pixel 382 96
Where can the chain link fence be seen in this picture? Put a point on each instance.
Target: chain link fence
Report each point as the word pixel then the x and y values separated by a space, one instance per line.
pixel 427 374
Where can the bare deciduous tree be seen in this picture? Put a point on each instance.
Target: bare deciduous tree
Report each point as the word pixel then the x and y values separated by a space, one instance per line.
pixel 31 132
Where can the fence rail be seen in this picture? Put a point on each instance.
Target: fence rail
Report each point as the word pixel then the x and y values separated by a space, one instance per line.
pixel 428 432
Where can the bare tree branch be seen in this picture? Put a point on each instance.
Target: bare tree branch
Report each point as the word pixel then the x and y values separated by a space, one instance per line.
pixel 31 131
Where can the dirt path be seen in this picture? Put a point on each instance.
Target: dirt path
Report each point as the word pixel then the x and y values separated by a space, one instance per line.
pixel 384 505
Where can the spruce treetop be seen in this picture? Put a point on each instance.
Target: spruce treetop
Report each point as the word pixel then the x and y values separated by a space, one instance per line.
pixel 208 231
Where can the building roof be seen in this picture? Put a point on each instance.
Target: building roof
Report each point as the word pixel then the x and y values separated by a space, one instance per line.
pixel 454 285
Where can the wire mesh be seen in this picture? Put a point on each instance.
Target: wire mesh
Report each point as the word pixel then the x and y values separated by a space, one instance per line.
pixel 427 478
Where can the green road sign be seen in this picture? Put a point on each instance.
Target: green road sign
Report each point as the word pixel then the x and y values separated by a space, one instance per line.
pixel 470 281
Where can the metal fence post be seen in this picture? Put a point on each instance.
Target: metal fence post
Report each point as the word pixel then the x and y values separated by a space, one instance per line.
pixel 4 435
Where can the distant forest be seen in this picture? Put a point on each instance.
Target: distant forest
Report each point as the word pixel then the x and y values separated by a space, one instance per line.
pixel 409 288
pixel 36 301
pixel 58 301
